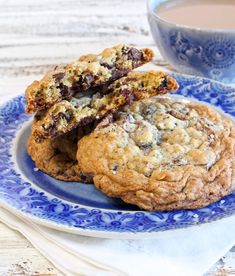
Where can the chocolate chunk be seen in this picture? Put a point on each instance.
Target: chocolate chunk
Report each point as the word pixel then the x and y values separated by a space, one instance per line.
pixel 105 64
pixel 134 54
pixel 58 77
pixel 84 83
pixel 164 83
pixel 117 74
pixel 86 120
pixel 52 130
pixel 130 97
pixel 76 88
pixel 65 91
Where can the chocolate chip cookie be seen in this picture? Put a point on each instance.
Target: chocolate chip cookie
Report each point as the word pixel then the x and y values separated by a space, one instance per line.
pixel 162 154
pixel 57 157
pixel 88 107
pixel 87 72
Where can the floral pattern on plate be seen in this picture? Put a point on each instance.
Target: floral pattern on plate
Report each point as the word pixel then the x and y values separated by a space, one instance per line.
pixel 22 196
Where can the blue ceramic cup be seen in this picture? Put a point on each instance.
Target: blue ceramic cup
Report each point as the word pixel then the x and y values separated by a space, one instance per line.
pixel 197 51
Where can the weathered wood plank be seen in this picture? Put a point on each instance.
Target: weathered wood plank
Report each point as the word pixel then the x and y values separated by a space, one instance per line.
pixel 34 36
pixel 22 23
pixel 19 257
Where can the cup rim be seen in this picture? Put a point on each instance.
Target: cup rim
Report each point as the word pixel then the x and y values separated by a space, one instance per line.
pixel 182 26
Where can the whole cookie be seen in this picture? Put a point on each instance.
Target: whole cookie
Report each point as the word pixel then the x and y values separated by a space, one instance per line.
pixel 162 154
pixel 57 157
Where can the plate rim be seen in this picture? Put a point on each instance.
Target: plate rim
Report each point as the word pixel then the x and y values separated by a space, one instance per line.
pixel 106 233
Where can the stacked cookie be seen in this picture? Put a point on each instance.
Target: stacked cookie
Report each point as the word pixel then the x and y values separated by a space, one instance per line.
pixel 96 120
pixel 71 100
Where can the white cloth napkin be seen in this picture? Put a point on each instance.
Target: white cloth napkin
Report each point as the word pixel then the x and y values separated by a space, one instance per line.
pixel 191 251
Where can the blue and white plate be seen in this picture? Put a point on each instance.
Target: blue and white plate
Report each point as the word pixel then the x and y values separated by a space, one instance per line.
pixel 80 208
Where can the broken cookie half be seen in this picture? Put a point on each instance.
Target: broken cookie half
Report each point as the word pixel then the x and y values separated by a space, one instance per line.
pixel 88 107
pixel 88 72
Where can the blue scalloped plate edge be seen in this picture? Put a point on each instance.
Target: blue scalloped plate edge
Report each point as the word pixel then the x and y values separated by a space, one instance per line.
pixel 28 201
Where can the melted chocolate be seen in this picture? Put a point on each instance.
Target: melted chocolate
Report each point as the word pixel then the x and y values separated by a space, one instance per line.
pixel 134 54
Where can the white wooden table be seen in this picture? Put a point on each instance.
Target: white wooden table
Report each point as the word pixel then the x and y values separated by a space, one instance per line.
pixel 36 35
